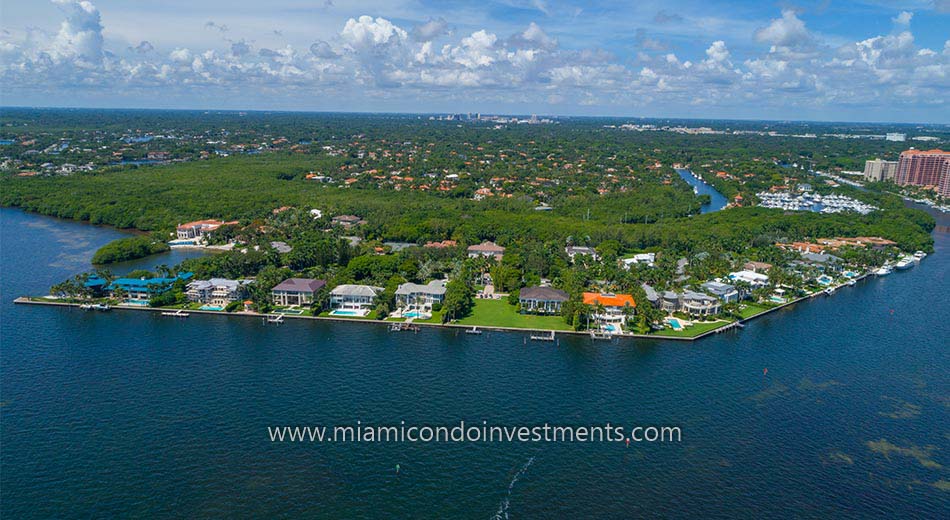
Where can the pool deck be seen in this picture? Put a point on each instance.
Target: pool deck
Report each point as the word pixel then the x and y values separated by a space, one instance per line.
pixel 247 314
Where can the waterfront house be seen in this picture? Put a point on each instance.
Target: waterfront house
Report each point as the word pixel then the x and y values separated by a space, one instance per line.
pixel 217 292
pixel 616 307
pixel 200 228
pixel 699 304
pixel 724 291
pixel 487 249
pixel 418 296
pixel 96 285
pixel 647 259
pixel 541 300
pixel 140 290
pixel 296 291
pixel 690 302
pixel 354 297
pixel 573 251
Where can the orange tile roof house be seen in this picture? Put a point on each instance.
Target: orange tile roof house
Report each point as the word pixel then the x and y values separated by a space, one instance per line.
pixel 199 228
pixel 486 248
pixel 609 300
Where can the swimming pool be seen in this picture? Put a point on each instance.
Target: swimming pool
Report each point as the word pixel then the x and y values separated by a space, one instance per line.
pixel 294 312
pixel 136 302
pixel 777 299
pixel 611 328
pixel 675 323
pixel 413 314
pixel 210 308
pixel 825 279
pixel 348 312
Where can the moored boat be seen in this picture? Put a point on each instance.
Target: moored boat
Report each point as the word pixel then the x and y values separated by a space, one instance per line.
pixel 905 263
pixel 884 270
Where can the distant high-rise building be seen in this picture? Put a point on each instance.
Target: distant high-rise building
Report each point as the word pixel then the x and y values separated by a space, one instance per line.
pixel 878 170
pixel 896 137
pixel 925 168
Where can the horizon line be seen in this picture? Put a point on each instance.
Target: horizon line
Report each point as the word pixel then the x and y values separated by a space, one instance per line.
pixel 406 113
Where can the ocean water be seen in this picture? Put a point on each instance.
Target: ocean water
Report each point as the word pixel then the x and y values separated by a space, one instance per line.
pixel 131 414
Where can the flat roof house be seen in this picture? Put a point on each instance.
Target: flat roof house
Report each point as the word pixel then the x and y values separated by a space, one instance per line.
pixel 139 290
pixel 488 249
pixel 351 297
pixel 296 291
pixel 573 251
pixel 542 300
pixel 614 306
pixel 216 291
pixel 648 259
pixel 413 295
pixel 699 304
pixel 724 291
pixel 752 278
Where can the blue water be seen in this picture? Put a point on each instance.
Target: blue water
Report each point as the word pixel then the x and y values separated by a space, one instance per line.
pixel 716 200
pixel 129 414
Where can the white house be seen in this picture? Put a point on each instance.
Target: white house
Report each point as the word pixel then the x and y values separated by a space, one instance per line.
pixel 573 251
pixel 752 278
pixel 413 295
pixel 358 298
pixel 216 291
pixel 648 259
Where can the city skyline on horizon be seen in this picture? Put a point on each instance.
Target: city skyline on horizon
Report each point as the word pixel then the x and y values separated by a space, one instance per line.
pixel 858 61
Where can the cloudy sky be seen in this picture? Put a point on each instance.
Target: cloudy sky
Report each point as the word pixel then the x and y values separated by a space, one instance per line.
pixel 855 60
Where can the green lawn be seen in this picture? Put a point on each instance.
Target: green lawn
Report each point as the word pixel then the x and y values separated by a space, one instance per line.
pixel 751 309
pixel 693 330
pixel 498 313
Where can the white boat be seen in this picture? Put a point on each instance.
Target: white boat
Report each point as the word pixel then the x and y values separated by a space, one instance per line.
pixel 829 291
pixel 473 330
pixel 883 271
pixel 86 306
pixel 180 313
pixel 102 307
pixel 851 282
pixel 919 255
pixel 905 263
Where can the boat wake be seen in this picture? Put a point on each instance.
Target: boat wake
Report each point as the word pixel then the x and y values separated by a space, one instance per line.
pixel 502 512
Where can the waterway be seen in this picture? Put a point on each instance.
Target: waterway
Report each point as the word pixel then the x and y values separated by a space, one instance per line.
pixel 717 200
pixel 127 414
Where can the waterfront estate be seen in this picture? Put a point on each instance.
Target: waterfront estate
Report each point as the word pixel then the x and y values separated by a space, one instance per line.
pixel 417 297
pixel 296 291
pixel 542 300
pixel 216 292
pixel 357 298
pixel 691 306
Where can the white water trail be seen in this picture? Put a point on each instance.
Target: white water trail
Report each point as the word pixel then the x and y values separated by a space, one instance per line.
pixel 502 512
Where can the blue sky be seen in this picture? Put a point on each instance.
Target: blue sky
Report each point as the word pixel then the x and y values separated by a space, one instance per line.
pixel 870 60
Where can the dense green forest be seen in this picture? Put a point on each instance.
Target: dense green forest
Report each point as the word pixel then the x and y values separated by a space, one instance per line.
pixel 129 249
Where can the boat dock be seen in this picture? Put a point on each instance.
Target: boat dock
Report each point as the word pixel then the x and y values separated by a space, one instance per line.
pixel 180 313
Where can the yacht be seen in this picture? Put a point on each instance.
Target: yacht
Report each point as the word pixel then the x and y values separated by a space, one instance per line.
pixel 884 270
pixel 905 263
pixel 919 255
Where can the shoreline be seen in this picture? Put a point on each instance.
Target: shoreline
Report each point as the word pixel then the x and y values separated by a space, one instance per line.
pixel 27 300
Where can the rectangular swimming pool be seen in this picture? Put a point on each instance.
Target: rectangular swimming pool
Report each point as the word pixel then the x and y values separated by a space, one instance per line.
pixel 349 312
